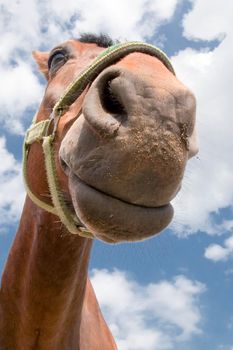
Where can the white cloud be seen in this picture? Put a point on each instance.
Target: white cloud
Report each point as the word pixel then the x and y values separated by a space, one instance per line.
pixel 217 252
pixel 11 187
pixel 27 25
pixel 121 19
pixel 214 19
pixel 19 27
pixel 19 91
pixel 209 177
pixel 154 316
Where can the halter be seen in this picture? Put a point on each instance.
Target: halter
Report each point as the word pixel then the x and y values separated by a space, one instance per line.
pixel 40 131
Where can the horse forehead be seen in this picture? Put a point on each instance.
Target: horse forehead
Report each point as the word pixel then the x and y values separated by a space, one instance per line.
pixel 83 48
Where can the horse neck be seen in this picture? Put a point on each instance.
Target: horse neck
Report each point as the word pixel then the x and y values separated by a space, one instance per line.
pixel 43 284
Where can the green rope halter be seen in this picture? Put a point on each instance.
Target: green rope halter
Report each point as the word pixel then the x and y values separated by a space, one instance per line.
pixel 40 131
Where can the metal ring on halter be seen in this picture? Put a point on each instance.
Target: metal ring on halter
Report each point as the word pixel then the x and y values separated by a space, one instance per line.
pixel 53 118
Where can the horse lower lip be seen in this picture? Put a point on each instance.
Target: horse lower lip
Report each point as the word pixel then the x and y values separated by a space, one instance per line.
pixel 111 219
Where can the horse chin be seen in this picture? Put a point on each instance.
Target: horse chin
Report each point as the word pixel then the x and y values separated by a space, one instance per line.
pixel 113 220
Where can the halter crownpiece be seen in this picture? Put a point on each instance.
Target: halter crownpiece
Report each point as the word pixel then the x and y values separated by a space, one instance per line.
pixel 40 131
pixel 106 58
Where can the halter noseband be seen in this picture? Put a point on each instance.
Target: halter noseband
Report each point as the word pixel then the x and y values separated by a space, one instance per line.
pixel 40 131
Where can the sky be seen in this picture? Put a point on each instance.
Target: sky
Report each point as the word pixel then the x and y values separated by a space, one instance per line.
pixel 173 291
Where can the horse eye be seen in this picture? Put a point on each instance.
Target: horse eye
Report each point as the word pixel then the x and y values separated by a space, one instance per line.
pixel 57 59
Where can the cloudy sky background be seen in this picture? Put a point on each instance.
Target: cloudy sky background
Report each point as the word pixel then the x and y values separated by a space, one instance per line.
pixel 175 290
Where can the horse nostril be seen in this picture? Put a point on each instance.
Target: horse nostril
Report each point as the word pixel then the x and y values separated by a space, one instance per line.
pixel 104 106
pixel 110 100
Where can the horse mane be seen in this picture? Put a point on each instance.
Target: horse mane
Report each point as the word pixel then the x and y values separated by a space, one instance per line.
pixel 102 40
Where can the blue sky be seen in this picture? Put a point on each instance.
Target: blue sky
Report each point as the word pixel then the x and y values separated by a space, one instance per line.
pixel 181 280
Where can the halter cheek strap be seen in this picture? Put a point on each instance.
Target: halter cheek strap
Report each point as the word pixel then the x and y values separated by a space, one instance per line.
pixel 40 131
pixel 36 133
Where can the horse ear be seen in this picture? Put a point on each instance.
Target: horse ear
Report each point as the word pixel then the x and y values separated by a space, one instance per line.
pixel 41 59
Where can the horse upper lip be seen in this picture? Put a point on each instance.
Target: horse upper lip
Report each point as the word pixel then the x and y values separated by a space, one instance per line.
pixel 118 198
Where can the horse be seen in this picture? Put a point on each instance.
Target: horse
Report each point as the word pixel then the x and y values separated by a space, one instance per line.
pixel 103 158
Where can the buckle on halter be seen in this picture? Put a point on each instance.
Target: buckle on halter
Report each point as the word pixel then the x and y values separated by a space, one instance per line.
pixel 53 119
